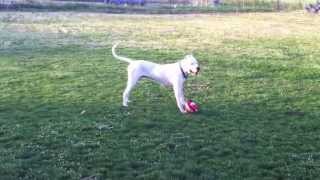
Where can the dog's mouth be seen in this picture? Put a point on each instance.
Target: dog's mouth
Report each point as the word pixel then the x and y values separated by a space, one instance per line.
pixel 195 72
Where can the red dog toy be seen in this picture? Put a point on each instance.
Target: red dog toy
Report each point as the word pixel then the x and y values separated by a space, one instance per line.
pixel 191 107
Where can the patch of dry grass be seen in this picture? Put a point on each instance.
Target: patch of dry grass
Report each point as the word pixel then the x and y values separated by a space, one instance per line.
pixel 188 32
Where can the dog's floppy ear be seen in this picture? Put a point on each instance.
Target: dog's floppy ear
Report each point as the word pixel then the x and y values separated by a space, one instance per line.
pixel 188 56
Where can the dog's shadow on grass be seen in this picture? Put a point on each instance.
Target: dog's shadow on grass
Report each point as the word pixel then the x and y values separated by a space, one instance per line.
pixel 220 111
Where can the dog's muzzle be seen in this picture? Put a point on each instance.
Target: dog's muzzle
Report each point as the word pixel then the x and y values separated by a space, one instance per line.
pixel 198 70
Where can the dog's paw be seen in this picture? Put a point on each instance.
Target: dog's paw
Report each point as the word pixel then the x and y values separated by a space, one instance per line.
pixel 183 111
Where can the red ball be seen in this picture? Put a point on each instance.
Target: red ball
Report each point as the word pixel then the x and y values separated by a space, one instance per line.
pixel 191 106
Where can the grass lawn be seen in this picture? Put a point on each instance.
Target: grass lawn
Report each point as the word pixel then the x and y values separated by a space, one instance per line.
pixel 60 97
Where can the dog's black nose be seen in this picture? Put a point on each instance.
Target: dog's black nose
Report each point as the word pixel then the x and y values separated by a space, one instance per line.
pixel 198 69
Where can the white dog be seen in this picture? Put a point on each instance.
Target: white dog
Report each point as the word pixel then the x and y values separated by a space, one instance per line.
pixel 173 74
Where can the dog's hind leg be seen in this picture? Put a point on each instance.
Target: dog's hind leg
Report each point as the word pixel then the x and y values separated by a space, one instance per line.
pixel 133 78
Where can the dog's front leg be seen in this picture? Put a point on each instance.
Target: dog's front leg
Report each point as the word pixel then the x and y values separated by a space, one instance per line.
pixel 178 92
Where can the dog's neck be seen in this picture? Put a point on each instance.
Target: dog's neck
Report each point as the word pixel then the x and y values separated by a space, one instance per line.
pixel 184 74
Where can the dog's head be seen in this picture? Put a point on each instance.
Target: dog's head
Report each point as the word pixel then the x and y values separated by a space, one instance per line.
pixel 190 65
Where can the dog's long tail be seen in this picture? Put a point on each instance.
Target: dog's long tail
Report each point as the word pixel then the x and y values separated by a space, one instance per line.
pixel 125 59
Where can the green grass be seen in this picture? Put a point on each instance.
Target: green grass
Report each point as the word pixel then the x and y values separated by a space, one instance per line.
pixel 60 97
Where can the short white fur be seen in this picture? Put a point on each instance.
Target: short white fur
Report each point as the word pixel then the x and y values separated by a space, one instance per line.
pixel 173 74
